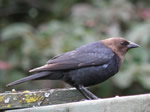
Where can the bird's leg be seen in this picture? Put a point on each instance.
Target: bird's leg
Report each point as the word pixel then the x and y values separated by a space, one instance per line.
pixel 82 92
pixel 89 93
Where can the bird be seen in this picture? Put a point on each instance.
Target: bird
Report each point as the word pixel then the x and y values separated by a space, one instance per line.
pixel 85 66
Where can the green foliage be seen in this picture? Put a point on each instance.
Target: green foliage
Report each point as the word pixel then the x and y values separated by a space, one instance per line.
pixel 30 37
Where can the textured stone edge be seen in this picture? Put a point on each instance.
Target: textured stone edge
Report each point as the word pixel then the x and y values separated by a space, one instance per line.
pixel 137 103
pixel 26 98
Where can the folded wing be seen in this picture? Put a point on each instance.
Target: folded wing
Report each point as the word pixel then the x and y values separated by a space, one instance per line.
pixel 92 54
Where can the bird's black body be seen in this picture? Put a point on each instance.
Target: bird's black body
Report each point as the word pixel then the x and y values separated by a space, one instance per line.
pixel 86 66
pixel 87 76
pixel 93 75
pixel 90 74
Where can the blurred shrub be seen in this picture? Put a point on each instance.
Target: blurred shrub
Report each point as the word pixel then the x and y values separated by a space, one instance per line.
pixel 34 31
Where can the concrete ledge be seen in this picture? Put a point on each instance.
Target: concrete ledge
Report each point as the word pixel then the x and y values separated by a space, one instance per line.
pixel 137 103
pixel 11 100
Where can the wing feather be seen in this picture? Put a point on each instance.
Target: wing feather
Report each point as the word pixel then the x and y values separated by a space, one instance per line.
pixel 92 54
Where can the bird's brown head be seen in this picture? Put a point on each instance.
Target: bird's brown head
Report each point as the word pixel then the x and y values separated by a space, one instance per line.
pixel 119 45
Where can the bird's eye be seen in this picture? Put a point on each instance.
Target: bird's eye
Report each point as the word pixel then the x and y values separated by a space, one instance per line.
pixel 124 43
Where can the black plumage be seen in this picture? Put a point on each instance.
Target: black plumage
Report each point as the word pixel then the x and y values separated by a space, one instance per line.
pixel 86 66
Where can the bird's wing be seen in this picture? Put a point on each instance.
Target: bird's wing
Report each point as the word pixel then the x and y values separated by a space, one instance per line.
pixel 89 55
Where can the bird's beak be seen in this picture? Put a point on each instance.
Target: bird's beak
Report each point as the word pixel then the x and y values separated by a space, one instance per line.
pixel 133 45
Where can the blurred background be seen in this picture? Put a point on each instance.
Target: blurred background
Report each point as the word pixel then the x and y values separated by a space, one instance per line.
pixel 33 31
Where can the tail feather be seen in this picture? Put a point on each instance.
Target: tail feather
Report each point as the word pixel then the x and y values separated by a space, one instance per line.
pixel 31 77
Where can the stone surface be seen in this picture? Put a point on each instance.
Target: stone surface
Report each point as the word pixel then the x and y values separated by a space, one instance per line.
pixel 137 103
pixel 24 99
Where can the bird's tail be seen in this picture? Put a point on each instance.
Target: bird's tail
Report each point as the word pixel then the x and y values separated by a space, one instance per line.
pixel 31 77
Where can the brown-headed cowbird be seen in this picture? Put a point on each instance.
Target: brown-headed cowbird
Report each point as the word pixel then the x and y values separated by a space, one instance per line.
pixel 85 66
